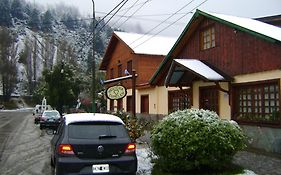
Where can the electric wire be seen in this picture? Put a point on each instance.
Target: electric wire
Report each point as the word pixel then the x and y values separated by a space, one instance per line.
pixel 128 9
pixel 172 23
pixel 133 14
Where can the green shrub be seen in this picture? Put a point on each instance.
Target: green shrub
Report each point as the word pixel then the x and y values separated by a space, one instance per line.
pixel 195 139
pixel 134 126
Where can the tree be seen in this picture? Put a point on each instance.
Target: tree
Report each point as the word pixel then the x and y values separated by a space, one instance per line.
pixel 62 88
pixel 47 21
pixel 8 68
pixel 17 10
pixel 34 21
pixel 5 16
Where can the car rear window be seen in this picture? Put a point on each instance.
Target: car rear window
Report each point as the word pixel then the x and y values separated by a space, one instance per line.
pixel 96 130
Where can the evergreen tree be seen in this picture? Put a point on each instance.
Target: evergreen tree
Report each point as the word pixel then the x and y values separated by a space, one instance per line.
pixel 17 10
pixel 5 16
pixel 47 21
pixel 8 68
pixel 34 21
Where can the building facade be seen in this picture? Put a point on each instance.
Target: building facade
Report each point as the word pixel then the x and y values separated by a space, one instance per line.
pixel 232 66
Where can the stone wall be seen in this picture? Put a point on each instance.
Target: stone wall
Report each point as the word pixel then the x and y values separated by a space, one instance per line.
pixel 264 138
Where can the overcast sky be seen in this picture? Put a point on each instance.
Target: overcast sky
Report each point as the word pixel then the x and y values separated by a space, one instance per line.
pixel 151 12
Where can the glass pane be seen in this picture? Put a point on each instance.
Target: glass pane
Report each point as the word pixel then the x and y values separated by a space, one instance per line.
pixel 265 96
pixel 266 109
pixel 265 89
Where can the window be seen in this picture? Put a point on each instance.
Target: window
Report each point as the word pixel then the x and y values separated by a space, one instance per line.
pixel 257 102
pixel 111 73
pixel 96 130
pixel 144 104
pixel 130 66
pixel 179 100
pixel 120 104
pixel 208 38
pixel 120 70
pixel 111 105
pixel 209 98
pixel 129 103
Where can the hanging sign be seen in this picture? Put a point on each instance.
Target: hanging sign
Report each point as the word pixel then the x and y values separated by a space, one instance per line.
pixel 116 92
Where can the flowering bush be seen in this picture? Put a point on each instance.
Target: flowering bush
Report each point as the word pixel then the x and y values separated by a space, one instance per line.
pixel 195 139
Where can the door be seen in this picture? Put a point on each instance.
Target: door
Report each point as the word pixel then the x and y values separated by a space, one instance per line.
pixel 209 98
pixel 144 104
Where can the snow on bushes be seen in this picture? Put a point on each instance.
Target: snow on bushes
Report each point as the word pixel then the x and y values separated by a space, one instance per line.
pixel 195 139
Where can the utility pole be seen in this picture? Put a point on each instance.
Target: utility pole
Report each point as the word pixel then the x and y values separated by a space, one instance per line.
pixel 94 64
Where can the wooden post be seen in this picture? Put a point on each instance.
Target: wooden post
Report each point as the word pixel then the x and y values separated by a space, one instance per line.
pixel 134 93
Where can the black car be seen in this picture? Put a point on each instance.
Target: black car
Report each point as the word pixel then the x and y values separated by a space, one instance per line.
pixel 92 143
pixel 50 119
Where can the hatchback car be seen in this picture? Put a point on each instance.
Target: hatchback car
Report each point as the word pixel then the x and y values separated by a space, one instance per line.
pixel 50 119
pixel 92 143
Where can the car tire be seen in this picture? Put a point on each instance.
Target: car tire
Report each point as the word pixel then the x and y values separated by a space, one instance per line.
pixel 55 170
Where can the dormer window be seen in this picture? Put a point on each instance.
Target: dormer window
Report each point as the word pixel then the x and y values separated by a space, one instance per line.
pixel 207 38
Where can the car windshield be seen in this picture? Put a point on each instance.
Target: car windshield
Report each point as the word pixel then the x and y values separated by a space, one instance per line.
pixel 96 130
pixel 51 114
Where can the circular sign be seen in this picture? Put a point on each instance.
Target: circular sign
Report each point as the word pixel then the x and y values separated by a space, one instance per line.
pixel 116 92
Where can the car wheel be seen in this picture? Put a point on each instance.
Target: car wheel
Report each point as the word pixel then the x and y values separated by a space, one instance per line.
pixel 52 162
pixel 55 170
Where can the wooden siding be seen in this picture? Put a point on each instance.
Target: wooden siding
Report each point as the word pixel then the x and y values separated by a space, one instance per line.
pixel 236 52
pixel 145 65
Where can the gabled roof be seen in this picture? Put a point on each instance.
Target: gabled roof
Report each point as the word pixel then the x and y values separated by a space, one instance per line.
pixel 259 29
pixel 139 44
pixel 147 44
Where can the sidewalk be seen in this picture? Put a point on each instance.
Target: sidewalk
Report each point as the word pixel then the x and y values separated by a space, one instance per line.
pixel 259 162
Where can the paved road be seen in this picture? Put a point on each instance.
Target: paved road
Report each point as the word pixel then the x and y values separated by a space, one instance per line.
pixel 25 149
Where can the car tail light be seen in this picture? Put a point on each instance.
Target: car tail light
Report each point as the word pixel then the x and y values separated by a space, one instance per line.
pixel 131 148
pixel 66 149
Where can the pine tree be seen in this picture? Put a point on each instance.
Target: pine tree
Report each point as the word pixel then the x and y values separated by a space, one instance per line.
pixel 47 21
pixel 5 16
pixel 34 21
pixel 17 10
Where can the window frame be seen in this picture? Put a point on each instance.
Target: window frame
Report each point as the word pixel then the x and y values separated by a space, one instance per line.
pixel 208 36
pixel 176 100
pixel 255 98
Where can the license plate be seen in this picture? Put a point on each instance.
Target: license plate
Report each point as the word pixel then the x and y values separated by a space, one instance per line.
pixel 102 168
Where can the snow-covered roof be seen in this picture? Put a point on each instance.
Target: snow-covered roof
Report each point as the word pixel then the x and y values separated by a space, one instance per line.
pixel 190 68
pixel 200 68
pixel 252 25
pixel 147 44
pixel 91 117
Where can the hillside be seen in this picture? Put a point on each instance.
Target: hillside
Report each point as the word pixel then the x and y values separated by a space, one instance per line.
pixel 41 38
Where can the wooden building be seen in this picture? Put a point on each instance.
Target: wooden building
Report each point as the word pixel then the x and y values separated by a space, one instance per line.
pixel 230 65
pixel 143 53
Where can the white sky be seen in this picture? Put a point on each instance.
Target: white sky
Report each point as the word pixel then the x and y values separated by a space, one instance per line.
pixel 242 8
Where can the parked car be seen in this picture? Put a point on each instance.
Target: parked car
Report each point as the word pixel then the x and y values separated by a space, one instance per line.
pixel 38 111
pixel 88 143
pixel 50 119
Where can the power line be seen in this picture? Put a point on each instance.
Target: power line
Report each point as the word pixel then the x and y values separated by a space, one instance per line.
pixel 113 15
pixel 164 21
pixel 133 14
pixel 125 12
pixel 172 23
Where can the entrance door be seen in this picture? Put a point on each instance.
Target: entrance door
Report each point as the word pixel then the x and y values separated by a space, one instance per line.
pixel 209 99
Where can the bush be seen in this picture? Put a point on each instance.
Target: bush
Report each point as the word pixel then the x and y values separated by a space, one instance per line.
pixel 195 139
pixel 134 126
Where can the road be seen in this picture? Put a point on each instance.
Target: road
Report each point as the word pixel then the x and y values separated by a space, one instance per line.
pixel 25 149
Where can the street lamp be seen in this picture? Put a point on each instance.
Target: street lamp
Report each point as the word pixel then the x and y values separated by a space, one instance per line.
pixel 93 63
